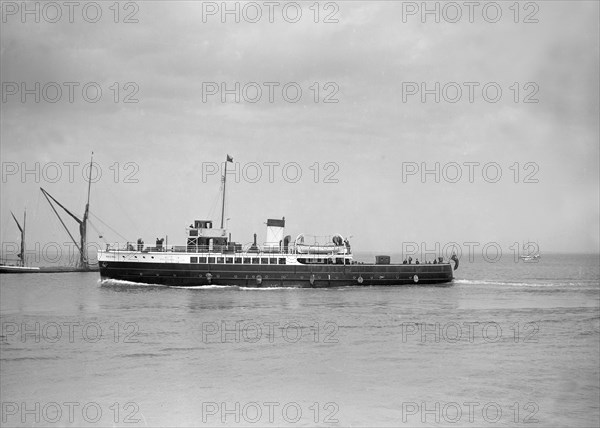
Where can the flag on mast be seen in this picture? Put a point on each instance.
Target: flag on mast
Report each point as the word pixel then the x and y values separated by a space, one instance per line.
pixel 229 158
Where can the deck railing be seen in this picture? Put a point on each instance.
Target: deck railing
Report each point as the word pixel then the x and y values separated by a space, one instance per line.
pixel 225 249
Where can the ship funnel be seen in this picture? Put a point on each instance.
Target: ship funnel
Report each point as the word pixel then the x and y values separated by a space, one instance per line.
pixel 274 234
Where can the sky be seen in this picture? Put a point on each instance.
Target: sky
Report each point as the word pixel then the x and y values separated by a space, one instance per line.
pixel 517 161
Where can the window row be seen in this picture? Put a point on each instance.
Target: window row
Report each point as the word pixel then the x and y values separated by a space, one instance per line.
pixel 239 260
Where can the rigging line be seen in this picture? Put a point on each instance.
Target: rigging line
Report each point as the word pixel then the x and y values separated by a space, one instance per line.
pixel 214 205
pixel 100 234
pixel 46 194
pixel 100 220
pixel 113 230
pixel 17 221
pixel 61 220
pixel 101 237
pixel 120 206
pixel 37 207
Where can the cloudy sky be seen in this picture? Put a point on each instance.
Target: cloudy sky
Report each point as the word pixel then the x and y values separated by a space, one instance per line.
pixel 360 157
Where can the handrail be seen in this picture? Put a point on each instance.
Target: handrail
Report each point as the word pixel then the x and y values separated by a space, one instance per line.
pixel 246 250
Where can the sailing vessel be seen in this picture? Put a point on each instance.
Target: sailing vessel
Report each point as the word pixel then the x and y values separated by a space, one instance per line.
pixel 83 264
pixel 211 258
pixel 528 255
pixel 20 266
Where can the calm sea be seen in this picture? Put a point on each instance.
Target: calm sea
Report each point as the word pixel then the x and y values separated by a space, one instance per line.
pixel 509 344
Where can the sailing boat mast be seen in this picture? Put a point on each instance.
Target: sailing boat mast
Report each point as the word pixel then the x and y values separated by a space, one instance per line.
pixel 83 259
pixel 23 239
pixel 22 230
pixel 82 246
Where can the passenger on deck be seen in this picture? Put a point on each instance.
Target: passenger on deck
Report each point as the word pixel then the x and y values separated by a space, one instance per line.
pixel 410 260
pixel 435 261
pixel 404 262
pixel 417 262
pixel 347 243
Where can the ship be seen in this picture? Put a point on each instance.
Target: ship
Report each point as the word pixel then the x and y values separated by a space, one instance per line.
pixel 211 258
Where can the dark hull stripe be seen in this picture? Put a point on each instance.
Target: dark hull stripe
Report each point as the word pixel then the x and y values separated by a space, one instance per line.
pixel 180 274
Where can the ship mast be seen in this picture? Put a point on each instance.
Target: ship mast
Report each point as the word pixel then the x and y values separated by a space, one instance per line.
pixel 83 260
pixel 229 159
pixel 82 246
pixel 22 230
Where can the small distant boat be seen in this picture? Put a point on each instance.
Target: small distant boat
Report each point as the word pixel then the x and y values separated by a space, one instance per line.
pixel 530 258
pixel 19 267
pixel 529 255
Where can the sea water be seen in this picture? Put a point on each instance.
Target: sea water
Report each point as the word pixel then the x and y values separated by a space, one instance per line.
pixel 508 344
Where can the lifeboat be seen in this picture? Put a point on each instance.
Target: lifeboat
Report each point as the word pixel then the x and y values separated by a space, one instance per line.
pixel 335 246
